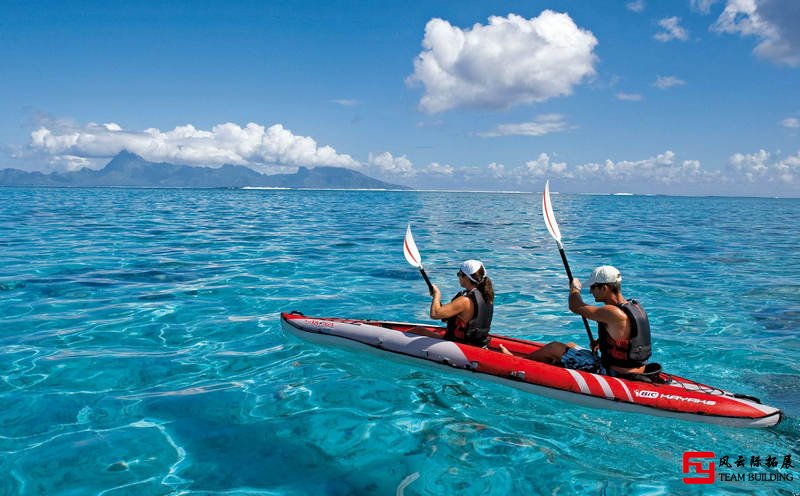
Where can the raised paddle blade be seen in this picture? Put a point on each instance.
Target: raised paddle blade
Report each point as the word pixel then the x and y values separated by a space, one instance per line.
pixel 547 212
pixel 410 250
pixel 552 226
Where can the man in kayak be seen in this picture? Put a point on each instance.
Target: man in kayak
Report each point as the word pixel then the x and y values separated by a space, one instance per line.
pixel 469 313
pixel 623 330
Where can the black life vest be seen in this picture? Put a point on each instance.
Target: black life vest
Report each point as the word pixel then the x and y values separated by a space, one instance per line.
pixel 633 352
pixel 476 331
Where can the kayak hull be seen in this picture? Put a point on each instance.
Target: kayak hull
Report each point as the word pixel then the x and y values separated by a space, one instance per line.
pixel 422 344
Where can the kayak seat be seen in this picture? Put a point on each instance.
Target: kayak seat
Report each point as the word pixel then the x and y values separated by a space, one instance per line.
pixel 652 368
pixel 651 374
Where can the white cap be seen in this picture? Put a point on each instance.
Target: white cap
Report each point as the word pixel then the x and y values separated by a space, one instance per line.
pixel 470 267
pixel 605 274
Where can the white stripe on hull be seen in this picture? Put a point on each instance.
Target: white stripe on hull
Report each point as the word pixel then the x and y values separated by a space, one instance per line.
pixel 606 388
pixel 580 381
pixel 625 387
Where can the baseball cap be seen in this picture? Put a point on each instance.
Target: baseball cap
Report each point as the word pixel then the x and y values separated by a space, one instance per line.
pixel 470 267
pixel 605 274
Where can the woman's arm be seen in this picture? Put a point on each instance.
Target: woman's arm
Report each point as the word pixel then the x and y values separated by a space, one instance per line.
pixel 455 307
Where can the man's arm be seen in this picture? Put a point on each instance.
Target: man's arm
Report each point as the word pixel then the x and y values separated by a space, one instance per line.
pixel 577 305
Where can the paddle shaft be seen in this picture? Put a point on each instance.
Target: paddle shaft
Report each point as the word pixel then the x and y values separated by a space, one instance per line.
pixel 569 275
pixel 427 281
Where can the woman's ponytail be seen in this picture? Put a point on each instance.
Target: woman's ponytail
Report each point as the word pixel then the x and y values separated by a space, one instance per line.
pixel 487 290
pixel 484 285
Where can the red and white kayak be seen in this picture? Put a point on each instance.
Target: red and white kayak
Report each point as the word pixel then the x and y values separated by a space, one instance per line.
pixel 675 397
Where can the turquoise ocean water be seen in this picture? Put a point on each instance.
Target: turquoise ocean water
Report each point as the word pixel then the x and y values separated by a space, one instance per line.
pixel 141 351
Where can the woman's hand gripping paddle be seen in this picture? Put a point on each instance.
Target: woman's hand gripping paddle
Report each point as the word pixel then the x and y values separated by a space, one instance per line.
pixel 552 227
pixel 412 256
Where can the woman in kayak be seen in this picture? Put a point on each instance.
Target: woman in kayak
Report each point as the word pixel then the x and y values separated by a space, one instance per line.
pixel 469 313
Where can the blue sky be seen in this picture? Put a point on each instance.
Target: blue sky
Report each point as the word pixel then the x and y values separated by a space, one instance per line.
pixel 678 97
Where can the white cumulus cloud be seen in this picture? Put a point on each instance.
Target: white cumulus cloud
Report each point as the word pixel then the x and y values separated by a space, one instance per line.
pixel 760 166
pixel 228 143
pixel 672 30
pixel 387 163
pixel 346 102
pixel 776 23
pixel 636 6
pixel 702 6
pixel 662 168
pixel 437 168
pixel 71 162
pixel 543 124
pixel 633 97
pixel 509 61
pixel 664 82
pixel 791 123
pixel 667 170
pixel 496 170
pixel 543 167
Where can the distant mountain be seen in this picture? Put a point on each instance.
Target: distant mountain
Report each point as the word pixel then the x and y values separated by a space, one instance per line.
pixel 128 169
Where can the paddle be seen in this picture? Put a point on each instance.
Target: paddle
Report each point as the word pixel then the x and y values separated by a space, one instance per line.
pixel 412 256
pixel 552 227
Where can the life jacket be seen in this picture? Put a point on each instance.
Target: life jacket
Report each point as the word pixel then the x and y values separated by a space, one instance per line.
pixel 627 353
pixel 476 331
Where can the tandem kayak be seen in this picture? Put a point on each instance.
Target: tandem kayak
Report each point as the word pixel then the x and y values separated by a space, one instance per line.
pixel 667 396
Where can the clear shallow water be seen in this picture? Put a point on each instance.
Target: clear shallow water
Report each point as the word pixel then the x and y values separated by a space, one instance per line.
pixel 141 351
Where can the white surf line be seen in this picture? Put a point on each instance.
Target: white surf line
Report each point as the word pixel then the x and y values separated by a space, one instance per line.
pixel 408 480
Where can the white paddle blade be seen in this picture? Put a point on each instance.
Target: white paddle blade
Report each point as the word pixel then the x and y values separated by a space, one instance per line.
pixel 547 212
pixel 410 250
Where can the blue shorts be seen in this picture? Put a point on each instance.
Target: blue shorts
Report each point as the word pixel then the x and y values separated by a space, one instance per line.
pixel 583 359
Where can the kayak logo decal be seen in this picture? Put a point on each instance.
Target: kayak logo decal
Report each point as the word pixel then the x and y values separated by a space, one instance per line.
pixel 655 395
pixel 322 323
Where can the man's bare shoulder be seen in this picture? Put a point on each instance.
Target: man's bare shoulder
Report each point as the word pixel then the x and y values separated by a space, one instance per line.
pixel 611 313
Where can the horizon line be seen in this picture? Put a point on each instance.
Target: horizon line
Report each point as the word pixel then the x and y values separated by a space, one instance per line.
pixel 391 190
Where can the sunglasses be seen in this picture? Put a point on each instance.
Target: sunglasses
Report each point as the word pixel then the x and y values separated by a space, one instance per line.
pixel 595 286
